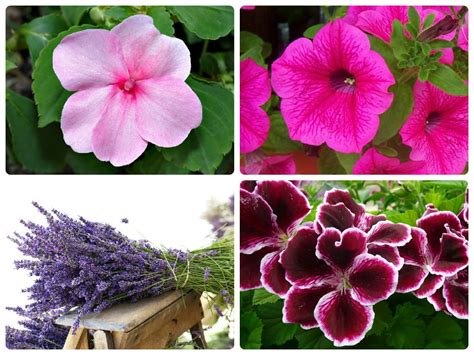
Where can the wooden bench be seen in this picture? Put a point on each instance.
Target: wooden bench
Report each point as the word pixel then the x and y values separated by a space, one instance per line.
pixel 152 323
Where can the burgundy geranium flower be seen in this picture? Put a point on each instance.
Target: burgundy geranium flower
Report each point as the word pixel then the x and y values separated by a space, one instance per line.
pixel 268 219
pixel 372 162
pixel 335 282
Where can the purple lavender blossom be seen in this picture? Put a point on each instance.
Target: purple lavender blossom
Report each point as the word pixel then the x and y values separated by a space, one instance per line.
pixel 207 273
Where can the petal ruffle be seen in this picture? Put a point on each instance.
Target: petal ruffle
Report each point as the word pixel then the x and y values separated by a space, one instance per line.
pixel 410 278
pixel 457 300
pixel 430 284
pixel 250 269
pixel 453 255
pixel 387 252
pixel 415 250
pixel 437 300
pixel 334 196
pixel 273 275
pixel 334 216
pixel 388 233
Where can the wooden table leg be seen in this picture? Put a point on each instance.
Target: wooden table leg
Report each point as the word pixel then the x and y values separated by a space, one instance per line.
pixel 197 335
pixel 79 340
pixel 103 340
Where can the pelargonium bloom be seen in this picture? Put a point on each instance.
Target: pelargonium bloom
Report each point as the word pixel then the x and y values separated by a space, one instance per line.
pixel 260 164
pixel 255 90
pixel 130 90
pixel 437 130
pixel 335 282
pixel 269 217
pixel 333 88
pixel 372 162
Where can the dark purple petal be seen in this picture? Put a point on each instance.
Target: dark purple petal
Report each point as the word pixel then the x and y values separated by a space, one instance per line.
pixel 453 255
pixel 299 260
pixel 342 319
pixel 414 252
pixel 258 227
pixel 457 300
pixel 437 300
pixel 288 203
pixel 273 275
pixel 430 284
pixel 336 196
pixel 248 185
pixel 388 233
pixel 340 250
pixel 367 221
pixel 372 278
pixel 336 216
pixel 250 269
pixel 387 252
pixel 300 304
pixel 410 278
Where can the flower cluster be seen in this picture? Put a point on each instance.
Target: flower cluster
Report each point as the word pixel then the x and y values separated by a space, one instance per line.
pixel 332 271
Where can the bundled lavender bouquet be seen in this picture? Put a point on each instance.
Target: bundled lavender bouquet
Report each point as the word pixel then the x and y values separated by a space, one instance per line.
pixel 89 266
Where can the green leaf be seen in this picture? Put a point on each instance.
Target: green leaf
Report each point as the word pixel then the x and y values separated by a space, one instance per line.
pixel 383 319
pixel 414 20
pixel 250 331
pixel 399 42
pixel 429 19
pixel 408 330
pixel 9 65
pixel 312 31
pixel 40 150
pixel 88 164
pixel 408 217
pixel 444 329
pixel 448 80
pixel 454 205
pixel 206 145
pixel 313 339
pixel 387 151
pixel 347 161
pixel 393 119
pixel 120 12
pixel 153 162
pixel 386 52
pixel 274 331
pixel 161 19
pixel 278 140
pixel 49 95
pixel 251 46
pixel 329 163
pixel 38 32
pixel 207 22
pixel 73 14
pixel 261 296
pixel 440 43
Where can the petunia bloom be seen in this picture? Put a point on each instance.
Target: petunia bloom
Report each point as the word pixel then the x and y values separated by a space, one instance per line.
pixel 255 90
pixel 269 217
pixel 463 38
pixel 437 130
pixel 130 90
pixel 372 162
pixel 260 164
pixel 333 88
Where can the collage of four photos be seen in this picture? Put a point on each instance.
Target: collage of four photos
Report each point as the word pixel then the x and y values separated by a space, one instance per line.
pixel 354 237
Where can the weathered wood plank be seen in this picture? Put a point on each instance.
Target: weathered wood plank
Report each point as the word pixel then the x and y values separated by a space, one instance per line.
pixel 103 340
pixel 79 340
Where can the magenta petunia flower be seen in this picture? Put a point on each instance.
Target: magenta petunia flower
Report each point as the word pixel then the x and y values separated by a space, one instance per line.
pixel 372 162
pixel 353 12
pixel 463 38
pixel 437 130
pixel 130 90
pixel 255 90
pixel 260 164
pixel 269 216
pixel 335 282
pixel 333 88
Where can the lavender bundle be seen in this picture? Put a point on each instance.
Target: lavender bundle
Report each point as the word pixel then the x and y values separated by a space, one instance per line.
pixel 89 266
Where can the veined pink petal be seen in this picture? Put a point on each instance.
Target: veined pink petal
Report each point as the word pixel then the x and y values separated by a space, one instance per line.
pixel 414 252
pixel 372 278
pixel 389 233
pixel 353 13
pixel 115 138
pixel 436 130
pixel 453 255
pixel 89 59
pixel 334 216
pixel 410 278
pixel 270 165
pixel 342 319
pixel 149 54
pixel 378 22
pixel 388 252
pixel 430 284
pixel 250 269
pixel 372 162
pixel 273 274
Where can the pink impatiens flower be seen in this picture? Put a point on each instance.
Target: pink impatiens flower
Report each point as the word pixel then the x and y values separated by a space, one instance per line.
pixel 333 88
pixel 260 164
pixel 372 162
pixel 255 90
pixel 130 90
pixel 437 130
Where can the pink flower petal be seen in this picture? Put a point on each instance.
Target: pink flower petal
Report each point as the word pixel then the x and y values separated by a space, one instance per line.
pixel 463 39
pixel 258 227
pixel 372 162
pixel 248 185
pixel 414 251
pixel 453 255
pixel 387 252
pixel 437 300
pixel 430 284
pixel 89 59
pixel 378 22
pixel 342 319
pixel 353 12
pixel 436 130
pixel 340 250
pixel 149 54
pixel 288 203
pixel 271 165
pixel 372 278
pixel 273 275
pixel 457 299
pixel 334 216
pixel 250 269
pixel 167 110
pixel 388 233
pixel 303 268
pixel 115 138
pixel 410 278
pixel 300 304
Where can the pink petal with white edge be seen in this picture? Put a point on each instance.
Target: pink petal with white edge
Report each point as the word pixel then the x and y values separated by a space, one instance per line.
pixel 303 268
pixel 149 54
pixel 273 275
pixel 81 113
pixel 410 278
pixel 115 137
pixel 369 220
pixel 288 203
pixel 430 284
pixel 167 111
pixel 372 278
pixel 250 269
pixel 340 250
pixel 388 233
pixel 453 255
pixel 457 300
pixel 387 252
pixel 300 304
pixel 334 216
pixel 89 59
pixel 342 319
pixel 414 252
pixel 437 300
pixel 372 162
pixel 258 228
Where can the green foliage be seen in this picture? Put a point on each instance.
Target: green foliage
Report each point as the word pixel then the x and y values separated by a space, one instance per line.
pixel 312 31
pixel 251 331
pixel 252 46
pixel 329 162
pixel 448 80
pixel 261 296
pixel 88 164
pixel 274 331
pixel 347 161
pixel 153 162
pixel 161 19
pixel 73 14
pixel 278 140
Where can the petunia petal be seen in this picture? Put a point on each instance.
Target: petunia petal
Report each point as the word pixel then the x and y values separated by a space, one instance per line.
pixel 378 22
pixel 430 284
pixel 167 111
pixel 342 319
pixel 340 250
pixel 250 269
pixel 453 255
pixel 372 162
pixel 410 278
pixel 273 275
pixel 372 278
pixel 271 165
pixel 457 300
pixel 89 59
pixel 258 228
pixel 388 233
pixel 300 304
pixel 414 251
pixel 387 252
pixel 334 216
